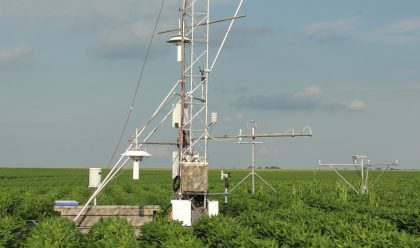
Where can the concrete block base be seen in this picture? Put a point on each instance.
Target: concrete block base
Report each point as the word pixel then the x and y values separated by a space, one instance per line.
pixel 135 215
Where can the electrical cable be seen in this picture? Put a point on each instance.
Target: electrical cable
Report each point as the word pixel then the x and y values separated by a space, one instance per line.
pixel 137 86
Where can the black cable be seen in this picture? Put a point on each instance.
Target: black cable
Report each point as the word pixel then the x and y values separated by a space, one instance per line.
pixel 176 183
pixel 137 86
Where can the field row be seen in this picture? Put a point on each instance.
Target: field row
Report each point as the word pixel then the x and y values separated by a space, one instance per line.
pixel 310 208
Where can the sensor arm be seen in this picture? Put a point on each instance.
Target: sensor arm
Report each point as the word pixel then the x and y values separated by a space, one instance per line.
pixel 289 133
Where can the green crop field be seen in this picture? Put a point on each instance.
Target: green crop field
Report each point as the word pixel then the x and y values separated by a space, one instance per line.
pixel 309 209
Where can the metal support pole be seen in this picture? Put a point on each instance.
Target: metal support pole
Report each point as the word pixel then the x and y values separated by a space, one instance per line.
pixel 362 190
pixel 253 157
pixel 253 142
pixel 94 200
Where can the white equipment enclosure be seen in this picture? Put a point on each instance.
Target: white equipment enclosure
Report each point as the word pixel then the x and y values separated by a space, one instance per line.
pixel 94 177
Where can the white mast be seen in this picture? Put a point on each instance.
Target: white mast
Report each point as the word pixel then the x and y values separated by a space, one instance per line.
pixel 194 76
pixel 192 53
pixel 193 39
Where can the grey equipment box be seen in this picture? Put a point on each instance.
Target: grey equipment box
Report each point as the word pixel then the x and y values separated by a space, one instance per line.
pixel 194 177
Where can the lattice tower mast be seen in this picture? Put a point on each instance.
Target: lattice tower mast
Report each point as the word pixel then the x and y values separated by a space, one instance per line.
pixel 192 136
pixel 192 139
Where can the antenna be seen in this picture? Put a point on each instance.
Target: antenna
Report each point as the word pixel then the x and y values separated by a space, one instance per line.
pixel 362 165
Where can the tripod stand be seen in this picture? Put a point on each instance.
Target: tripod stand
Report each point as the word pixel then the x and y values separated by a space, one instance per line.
pixel 253 142
pixel 289 133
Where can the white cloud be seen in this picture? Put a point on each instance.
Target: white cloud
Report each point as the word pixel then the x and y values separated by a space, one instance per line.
pixel 127 41
pixel 122 28
pixel 305 99
pixel 311 92
pixel 16 55
pixel 308 99
pixel 405 31
pixel 336 30
pixel 58 12
pixel 401 32
pixel 356 105
pixel 90 13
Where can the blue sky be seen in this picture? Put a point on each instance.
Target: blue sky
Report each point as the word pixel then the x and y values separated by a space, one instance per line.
pixel 348 69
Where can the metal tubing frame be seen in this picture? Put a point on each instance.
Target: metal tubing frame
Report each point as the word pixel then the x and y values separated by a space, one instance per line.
pixel 363 171
pixel 306 132
pixel 118 165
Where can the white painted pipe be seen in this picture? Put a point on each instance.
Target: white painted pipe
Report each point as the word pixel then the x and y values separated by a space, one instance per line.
pixel 136 169
pixel 179 52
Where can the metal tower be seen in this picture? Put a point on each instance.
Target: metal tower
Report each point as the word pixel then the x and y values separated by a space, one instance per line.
pixel 191 113
pixel 189 100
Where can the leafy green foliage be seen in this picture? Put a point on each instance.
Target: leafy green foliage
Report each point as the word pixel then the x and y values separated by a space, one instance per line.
pixel 54 232
pixel 111 232
pixel 223 231
pixel 12 231
pixel 309 209
pixel 166 233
